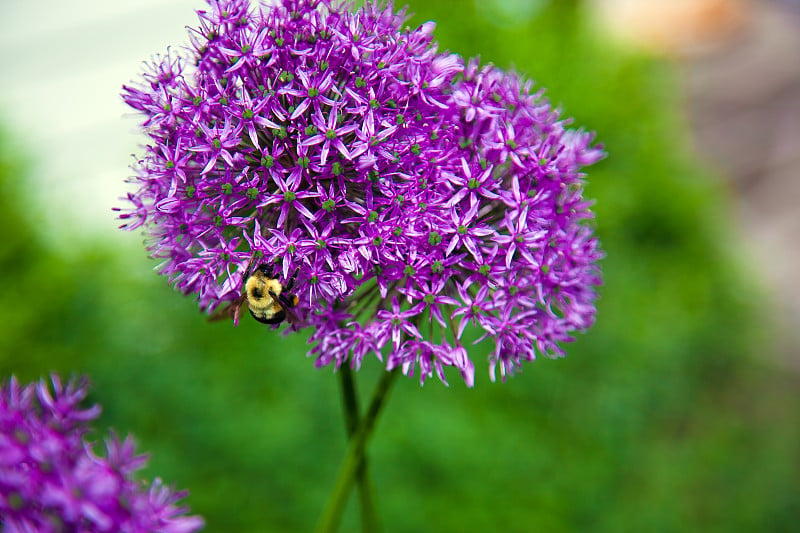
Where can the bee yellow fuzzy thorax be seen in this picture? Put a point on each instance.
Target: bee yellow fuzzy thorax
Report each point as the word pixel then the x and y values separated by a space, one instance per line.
pixel 258 290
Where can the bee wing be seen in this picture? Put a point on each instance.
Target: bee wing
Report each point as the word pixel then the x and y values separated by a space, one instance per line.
pixel 228 312
pixel 291 317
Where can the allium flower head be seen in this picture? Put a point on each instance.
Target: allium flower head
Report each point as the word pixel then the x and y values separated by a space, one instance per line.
pixel 415 194
pixel 51 480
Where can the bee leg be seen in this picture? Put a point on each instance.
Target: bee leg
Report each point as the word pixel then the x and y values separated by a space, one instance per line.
pixel 248 270
pixel 291 281
pixel 284 300
pixel 288 301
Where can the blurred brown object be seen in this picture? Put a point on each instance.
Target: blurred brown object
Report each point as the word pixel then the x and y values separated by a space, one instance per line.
pixel 743 103
pixel 741 67
pixel 674 27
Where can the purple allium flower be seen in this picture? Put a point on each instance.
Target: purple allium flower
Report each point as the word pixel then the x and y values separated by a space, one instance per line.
pixel 52 480
pixel 415 194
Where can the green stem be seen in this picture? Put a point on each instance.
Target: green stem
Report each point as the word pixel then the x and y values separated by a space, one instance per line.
pixel 352 415
pixel 329 522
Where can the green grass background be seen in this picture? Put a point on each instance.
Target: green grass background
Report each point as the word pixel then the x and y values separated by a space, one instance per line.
pixel 666 416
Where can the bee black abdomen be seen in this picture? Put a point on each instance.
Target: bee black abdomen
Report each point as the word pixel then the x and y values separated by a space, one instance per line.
pixel 276 318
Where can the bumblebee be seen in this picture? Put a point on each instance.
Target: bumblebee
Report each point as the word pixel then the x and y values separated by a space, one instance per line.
pixel 268 300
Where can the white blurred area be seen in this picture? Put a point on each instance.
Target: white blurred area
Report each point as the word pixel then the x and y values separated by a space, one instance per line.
pixel 61 68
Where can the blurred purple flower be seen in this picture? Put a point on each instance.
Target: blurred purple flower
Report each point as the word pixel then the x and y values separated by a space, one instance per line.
pixel 407 187
pixel 52 480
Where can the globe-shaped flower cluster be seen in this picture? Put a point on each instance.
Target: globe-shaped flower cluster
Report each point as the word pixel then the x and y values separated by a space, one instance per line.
pixel 420 198
pixel 52 481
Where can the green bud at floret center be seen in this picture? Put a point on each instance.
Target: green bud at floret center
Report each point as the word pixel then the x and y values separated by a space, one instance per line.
pixel 15 501
pixel 21 437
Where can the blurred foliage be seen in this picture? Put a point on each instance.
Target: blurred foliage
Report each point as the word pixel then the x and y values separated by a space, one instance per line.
pixel 666 416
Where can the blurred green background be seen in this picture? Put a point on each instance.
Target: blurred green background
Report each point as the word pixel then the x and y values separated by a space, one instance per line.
pixel 666 416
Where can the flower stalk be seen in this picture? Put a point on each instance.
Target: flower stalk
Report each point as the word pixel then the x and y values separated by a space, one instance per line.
pixel 353 461
pixel 352 416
